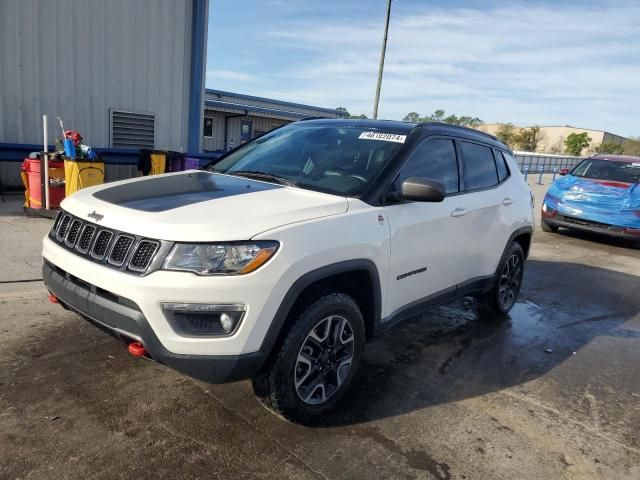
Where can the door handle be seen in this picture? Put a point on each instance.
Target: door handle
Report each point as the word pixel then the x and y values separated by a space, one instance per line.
pixel 459 212
pixel 507 201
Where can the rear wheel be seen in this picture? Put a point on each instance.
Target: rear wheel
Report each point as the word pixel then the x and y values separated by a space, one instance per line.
pixel 316 362
pixel 548 228
pixel 508 283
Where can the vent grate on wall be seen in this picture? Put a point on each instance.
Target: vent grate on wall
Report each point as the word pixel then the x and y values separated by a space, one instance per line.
pixel 132 130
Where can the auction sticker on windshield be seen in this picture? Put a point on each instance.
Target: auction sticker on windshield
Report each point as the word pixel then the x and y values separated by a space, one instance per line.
pixel 385 137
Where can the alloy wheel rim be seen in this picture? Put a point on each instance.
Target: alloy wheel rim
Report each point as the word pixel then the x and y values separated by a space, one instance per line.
pixel 324 360
pixel 510 280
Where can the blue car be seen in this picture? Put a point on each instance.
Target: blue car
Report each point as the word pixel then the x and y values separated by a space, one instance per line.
pixel 600 194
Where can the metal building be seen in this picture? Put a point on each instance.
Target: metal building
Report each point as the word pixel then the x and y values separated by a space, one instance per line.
pixel 233 118
pixel 124 74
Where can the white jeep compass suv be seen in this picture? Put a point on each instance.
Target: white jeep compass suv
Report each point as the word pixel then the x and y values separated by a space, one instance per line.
pixel 280 261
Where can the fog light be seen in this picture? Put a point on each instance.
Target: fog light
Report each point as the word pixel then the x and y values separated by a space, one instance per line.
pixel 544 207
pixel 226 322
pixel 203 319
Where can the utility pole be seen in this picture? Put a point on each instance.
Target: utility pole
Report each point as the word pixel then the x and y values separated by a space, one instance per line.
pixel 382 54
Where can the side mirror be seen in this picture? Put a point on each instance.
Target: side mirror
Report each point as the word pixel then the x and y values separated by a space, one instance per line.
pixel 418 189
pixel 563 171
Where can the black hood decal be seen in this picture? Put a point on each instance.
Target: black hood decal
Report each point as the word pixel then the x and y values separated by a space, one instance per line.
pixel 166 192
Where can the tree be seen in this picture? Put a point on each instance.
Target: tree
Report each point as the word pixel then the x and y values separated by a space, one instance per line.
pixel 344 113
pixel 437 116
pixel 413 117
pixel 632 147
pixel 527 138
pixel 556 148
pixel 506 134
pixel 452 119
pixel 471 122
pixel 610 147
pixel 576 142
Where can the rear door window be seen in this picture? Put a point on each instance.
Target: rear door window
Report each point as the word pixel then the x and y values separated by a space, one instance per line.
pixel 479 166
pixel 434 158
pixel 501 163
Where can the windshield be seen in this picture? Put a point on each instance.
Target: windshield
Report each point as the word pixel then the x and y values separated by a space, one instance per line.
pixel 628 172
pixel 339 160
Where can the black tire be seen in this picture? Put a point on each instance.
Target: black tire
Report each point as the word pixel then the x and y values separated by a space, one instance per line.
pixel 634 244
pixel 548 228
pixel 289 385
pixel 505 291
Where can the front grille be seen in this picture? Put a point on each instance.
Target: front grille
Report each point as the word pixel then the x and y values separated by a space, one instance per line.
pixel 63 226
pixel 130 253
pixel 120 250
pixel 101 245
pixel 56 222
pixel 143 255
pixel 85 238
pixel 202 322
pixel 72 234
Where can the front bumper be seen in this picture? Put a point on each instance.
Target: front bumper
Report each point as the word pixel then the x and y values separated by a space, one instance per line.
pixel 576 223
pixel 261 292
pixel 123 317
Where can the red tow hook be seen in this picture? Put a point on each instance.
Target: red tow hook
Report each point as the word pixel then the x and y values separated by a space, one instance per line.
pixel 53 298
pixel 137 349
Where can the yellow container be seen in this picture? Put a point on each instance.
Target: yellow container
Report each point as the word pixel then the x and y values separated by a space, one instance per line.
pixel 79 175
pixel 158 163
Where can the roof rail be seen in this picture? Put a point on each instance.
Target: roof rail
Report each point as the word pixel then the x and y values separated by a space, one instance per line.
pixel 442 124
pixel 314 118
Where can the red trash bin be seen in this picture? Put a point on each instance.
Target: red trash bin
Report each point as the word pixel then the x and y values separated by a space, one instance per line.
pixel 33 183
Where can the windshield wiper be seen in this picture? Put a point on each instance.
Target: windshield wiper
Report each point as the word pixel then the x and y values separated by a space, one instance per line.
pixel 258 175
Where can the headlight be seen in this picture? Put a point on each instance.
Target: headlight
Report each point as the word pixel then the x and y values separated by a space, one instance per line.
pixel 221 258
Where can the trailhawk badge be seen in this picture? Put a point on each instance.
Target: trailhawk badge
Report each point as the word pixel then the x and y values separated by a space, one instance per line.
pixel 96 216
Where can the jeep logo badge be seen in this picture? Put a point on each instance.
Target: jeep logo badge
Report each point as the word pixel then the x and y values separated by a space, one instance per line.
pixel 95 216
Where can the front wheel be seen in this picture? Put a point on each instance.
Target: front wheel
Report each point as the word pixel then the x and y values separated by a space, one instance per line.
pixel 635 244
pixel 508 283
pixel 316 362
pixel 548 228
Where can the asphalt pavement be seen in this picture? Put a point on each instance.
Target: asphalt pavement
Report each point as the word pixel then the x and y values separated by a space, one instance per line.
pixel 553 392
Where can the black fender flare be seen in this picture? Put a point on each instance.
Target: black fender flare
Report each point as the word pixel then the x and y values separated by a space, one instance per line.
pixel 514 235
pixel 309 278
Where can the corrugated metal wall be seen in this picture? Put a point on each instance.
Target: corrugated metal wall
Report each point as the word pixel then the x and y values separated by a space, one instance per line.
pixel 216 141
pixel 79 58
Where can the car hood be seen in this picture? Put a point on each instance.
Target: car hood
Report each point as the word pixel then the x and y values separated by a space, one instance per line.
pixel 199 206
pixel 589 193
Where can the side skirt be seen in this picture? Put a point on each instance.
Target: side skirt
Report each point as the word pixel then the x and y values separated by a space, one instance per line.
pixel 475 286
